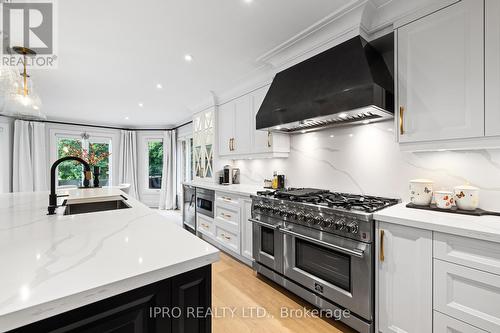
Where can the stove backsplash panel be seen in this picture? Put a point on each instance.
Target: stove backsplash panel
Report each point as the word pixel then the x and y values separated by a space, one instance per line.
pixel 367 160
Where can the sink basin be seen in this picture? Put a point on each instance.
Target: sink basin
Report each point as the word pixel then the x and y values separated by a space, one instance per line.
pixel 92 207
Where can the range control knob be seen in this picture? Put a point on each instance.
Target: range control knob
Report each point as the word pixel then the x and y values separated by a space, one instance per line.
pixel 353 227
pixel 340 224
pixel 318 220
pixel 308 217
pixel 300 215
pixel 329 223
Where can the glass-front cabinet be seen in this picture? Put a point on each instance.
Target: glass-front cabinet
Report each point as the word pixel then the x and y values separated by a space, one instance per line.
pixel 203 145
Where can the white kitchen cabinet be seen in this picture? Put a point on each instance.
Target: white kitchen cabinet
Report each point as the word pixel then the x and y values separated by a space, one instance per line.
pixel 235 127
pixel 469 294
pixel 246 229
pixel 203 145
pixel 440 62
pixel 446 324
pixel 265 141
pixel 237 134
pixel 404 279
pixel 492 59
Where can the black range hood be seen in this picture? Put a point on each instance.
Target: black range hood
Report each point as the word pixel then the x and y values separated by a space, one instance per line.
pixel 347 84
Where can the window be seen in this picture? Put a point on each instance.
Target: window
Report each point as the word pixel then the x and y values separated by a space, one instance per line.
pixel 155 163
pixel 95 149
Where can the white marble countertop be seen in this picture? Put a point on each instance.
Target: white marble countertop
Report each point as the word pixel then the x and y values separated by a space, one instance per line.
pixel 479 227
pixel 52 264
pixel 240 189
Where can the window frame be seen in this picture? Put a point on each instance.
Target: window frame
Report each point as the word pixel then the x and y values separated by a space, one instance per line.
pixel 105 137
pixel 146 141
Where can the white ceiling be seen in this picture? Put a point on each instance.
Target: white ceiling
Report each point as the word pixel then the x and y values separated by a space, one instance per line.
pixel 113 53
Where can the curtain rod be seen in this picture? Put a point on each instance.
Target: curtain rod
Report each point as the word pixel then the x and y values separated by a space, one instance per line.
pixel 102 126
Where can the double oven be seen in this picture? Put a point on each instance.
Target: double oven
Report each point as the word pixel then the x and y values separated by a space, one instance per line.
pixel 328 270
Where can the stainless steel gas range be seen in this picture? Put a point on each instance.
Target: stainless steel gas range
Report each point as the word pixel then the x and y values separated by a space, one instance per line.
pixel 320 246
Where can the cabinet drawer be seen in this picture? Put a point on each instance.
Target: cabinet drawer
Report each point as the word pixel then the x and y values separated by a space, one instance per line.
pixel 227 239
pixel 468 294
pixel 445 324
pixel 469 252
pixel 228 213
pixel 205 225
pixel 227 198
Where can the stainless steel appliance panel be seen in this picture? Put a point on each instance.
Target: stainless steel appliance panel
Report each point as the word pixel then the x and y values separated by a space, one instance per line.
pixel 337 268
pixel 267 244
pixel 189 208
pixel 205 200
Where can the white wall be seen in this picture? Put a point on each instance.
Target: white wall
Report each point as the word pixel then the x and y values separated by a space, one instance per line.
pixel 6 143
pixel 366 159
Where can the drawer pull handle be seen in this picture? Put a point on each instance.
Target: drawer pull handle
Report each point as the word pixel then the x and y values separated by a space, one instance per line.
pixel 224 236
pixel 381 254
pixel 225 215
pixel 401 120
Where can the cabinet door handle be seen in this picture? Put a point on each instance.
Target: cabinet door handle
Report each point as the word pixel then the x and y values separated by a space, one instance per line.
pixel 401 120
pixel 381 254
pixel 233 145
pixel 229 144
pixel 225 215
pixel 269 137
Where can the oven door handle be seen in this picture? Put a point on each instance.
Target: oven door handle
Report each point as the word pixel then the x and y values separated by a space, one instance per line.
pixel 353 253
pixel 271 226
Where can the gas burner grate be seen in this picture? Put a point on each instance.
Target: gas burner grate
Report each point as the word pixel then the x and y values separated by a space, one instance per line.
pixel 354 202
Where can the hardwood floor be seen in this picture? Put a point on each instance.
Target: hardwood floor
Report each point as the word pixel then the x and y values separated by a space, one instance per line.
pixel 237 288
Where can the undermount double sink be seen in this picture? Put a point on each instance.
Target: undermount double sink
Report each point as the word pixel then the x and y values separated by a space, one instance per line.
pixel 100 205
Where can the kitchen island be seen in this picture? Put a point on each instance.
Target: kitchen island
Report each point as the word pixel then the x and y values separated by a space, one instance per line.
pixel 99 271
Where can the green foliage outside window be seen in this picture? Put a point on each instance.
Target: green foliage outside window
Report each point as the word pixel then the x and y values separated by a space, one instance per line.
pixel 69 172
pixel 155 151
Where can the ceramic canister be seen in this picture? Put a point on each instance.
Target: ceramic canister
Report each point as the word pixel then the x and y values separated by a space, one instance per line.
pixel 421 191
pixel 467 197
pixel 444 199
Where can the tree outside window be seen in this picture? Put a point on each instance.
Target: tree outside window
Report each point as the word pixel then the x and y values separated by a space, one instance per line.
pixel 155 160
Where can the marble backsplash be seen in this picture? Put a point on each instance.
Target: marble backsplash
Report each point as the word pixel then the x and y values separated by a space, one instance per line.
pixel 367 160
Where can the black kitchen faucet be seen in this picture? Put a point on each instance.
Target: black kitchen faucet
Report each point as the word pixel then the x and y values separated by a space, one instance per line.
pixel 53 196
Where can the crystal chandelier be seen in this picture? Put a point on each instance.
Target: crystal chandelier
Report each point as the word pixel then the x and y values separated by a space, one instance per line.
pixel 19 99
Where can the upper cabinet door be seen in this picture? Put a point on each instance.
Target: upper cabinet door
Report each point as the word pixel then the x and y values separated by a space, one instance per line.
pixel 492 56
pixel 263 139
pixel 441 74
pixel 242 142
pixel 225 128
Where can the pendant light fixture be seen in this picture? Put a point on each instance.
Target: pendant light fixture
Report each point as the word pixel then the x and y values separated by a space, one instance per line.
pixel 19 98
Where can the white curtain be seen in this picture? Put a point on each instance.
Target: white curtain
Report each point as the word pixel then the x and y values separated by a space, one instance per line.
pixel 30 168
pixel 127 169
pixel 168 184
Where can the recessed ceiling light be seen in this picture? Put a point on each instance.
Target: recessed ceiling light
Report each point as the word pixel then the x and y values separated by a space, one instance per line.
pixel 127 118
pixel 332 136
pixel 351 135
pixel 159 86
pixel 343 115
pixel 35 107
pixel 188 57
pixel 248 1
pixel 140 104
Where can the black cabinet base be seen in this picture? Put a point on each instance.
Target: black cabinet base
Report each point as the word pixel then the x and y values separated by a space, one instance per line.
pixel 180 304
